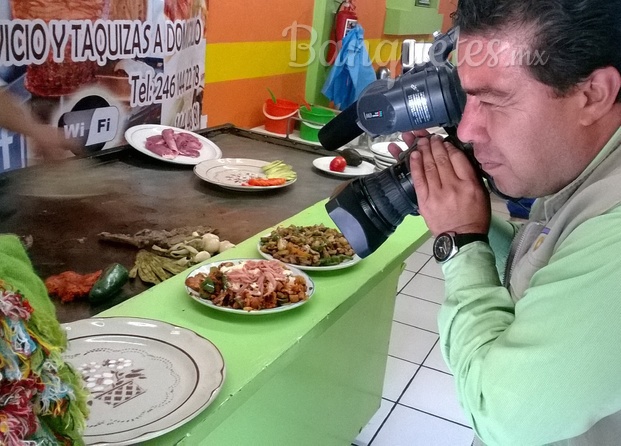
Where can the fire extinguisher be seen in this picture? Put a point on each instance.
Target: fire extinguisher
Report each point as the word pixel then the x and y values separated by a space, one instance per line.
pixel 344 20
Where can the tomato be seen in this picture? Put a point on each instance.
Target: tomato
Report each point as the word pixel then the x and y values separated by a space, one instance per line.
pixel 338 164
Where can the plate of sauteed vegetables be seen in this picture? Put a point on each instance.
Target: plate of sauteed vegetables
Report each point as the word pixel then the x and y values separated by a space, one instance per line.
pixel 249 286
pixel 309 248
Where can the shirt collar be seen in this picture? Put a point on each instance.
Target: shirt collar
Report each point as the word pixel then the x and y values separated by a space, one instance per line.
pixel 552 203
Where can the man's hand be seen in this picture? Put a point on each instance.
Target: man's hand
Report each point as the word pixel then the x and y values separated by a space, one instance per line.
pixel 449 191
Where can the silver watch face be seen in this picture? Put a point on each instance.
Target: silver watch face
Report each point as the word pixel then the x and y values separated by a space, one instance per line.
pixel 443 247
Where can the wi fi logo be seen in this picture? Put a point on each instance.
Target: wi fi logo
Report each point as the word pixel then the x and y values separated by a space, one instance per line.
pixel 92 122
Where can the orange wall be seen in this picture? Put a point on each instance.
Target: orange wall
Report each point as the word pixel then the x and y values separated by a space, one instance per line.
pixel 239 100
pixel 447 7
pixel 238 31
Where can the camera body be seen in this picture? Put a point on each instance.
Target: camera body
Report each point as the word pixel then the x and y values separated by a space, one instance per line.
pixel 368 209
pixel 428 95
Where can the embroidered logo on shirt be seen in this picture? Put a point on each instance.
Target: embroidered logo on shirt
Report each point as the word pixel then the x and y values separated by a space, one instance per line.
pixel 541 238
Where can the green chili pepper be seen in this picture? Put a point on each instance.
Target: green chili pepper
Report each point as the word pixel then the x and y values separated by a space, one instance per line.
pixel 109 283
pixel 208 286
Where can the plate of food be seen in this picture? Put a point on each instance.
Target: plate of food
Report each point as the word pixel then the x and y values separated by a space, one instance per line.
pixel 171 144
pixel 145 377
pixel 323 164
pixel 249 286
pixel 247 175
pixel 309 248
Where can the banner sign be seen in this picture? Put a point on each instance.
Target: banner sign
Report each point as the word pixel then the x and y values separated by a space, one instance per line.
pixel 95 68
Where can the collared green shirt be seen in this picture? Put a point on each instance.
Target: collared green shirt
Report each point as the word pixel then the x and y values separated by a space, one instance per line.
pixel 537 360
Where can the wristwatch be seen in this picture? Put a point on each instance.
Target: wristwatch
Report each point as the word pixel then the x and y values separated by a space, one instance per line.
pixel 447 244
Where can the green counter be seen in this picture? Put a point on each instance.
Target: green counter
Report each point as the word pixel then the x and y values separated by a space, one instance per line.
pixel 310 376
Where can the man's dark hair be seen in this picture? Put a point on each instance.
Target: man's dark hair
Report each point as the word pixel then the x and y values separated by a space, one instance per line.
pixel 572 37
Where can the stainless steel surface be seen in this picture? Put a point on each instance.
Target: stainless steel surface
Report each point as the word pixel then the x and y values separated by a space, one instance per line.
pixel 407 55
pixel 382 73
pixel 147 193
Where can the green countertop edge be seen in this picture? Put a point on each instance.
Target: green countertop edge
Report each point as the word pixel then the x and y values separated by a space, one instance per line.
pixel 169 302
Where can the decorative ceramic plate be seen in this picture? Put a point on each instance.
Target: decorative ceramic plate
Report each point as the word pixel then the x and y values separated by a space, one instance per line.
pixel 233 173
pixel 137 136
pixel 146 377
pixel 341 265
pixel 310 289
pixel 323 164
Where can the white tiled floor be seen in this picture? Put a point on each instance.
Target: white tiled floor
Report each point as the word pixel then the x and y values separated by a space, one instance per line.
pixel 419 404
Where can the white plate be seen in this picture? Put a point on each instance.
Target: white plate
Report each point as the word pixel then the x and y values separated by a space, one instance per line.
pixel 380 165
pixel 342 265
pixel 232 173
pixel 310 289
pixel 146 377
pixel 137 136
pixel 323 164
pixel 381 148
pixel 384 159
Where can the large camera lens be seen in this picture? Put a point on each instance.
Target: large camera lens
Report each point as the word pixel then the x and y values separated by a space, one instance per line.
pixel 368 209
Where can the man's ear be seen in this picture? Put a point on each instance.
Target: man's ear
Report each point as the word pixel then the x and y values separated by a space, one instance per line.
pixel 600 92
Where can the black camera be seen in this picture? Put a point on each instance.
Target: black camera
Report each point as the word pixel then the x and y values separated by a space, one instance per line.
pixel 368 209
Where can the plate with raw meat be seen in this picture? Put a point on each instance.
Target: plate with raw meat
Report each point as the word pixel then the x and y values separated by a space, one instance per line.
pixel 172 144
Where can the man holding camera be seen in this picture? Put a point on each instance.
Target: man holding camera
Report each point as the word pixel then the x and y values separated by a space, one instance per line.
pixel 531 326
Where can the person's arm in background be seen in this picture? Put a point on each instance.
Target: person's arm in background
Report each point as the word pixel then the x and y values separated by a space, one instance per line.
pixel 48 141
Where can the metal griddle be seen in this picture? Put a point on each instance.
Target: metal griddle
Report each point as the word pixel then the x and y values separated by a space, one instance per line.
pixel 148 193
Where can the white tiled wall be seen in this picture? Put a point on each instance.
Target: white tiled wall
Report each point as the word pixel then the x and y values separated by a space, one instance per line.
pixel 419 405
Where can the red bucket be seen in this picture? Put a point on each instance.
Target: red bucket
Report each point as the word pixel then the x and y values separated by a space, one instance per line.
pixel 278 114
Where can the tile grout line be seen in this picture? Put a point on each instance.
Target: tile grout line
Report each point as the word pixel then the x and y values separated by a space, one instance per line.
pixel 414 326
pixel 436 416
pixel 397 402
pixel 420 366
pixel 420 298
pixel 401 395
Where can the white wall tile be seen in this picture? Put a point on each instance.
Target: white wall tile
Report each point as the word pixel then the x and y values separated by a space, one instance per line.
pixel 366 434
pixel 416 261
pixel 425 287
pixel 433 269
pixel 427 247
pixel 435 360
pixel 434 392
pixel 410 343
pixel 399 373
pixel 417 312
pixel 409 427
